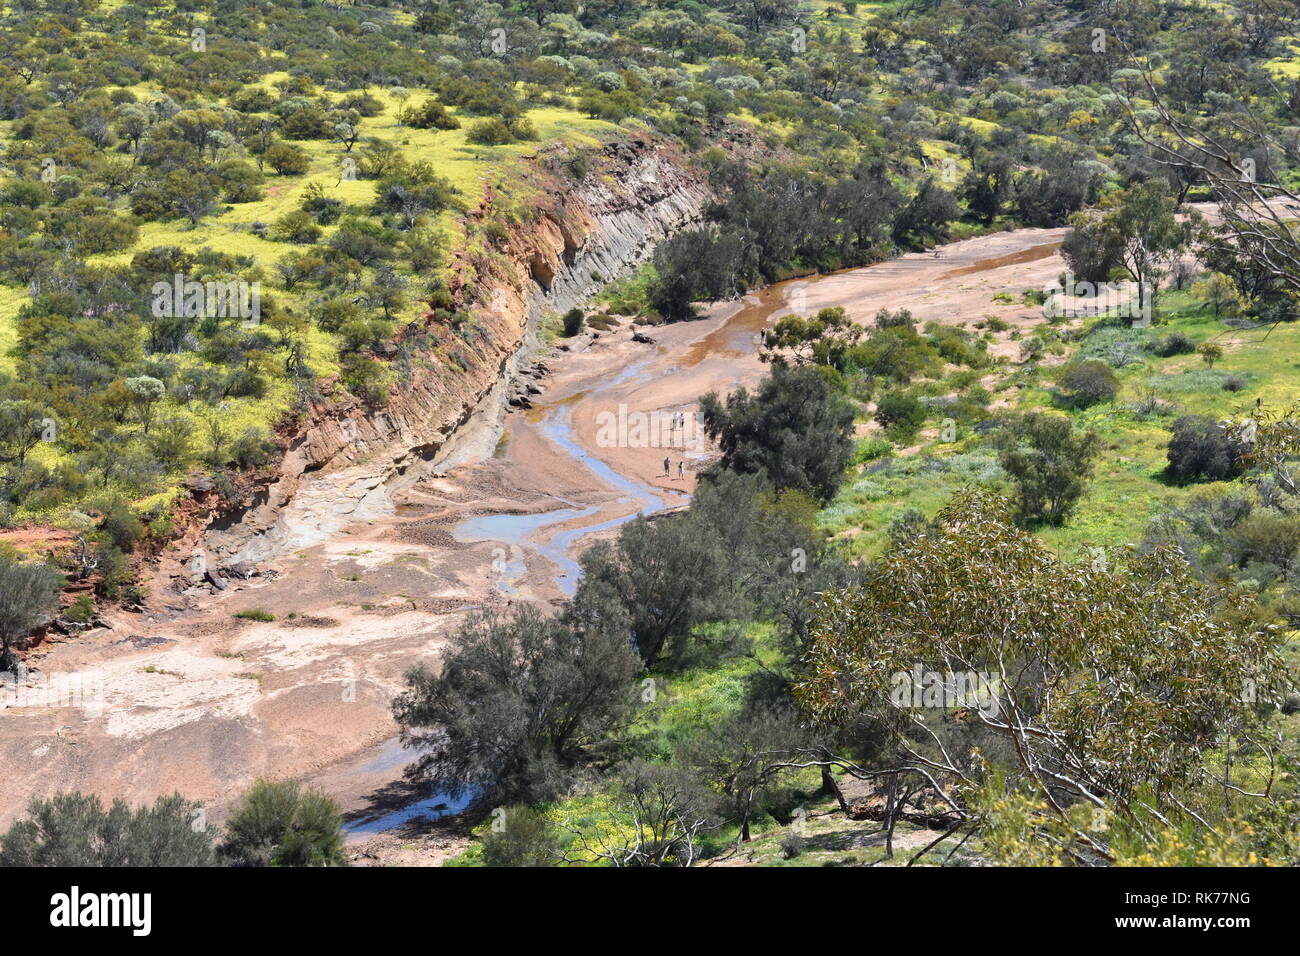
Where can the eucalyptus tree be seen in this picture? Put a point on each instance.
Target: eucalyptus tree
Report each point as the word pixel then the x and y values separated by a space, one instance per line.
pixel 1100 688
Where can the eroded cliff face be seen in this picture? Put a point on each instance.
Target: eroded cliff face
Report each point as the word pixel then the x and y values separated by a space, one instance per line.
pixel 346 460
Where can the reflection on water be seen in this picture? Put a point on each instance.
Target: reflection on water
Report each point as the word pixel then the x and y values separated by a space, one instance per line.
pixel 431 808
pixel 520 530
pixel 515 530
pixel 391 757
pixel 558 429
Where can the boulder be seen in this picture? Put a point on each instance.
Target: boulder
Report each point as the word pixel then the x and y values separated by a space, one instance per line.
pixel 242 570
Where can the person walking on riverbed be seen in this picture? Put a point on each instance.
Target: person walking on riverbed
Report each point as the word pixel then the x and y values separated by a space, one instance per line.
pixel 667 467
pixel 681 469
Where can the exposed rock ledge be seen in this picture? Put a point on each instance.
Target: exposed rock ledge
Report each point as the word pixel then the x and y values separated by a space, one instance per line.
pixel 344 465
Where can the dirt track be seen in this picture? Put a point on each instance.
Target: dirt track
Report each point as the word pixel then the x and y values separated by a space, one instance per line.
pixel 202 702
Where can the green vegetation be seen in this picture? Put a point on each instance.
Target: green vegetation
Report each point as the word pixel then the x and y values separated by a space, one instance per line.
pixel 280 824
pixel 28 598
pixel 72 829
pixel 301 213
pixel 518 703
pixel 255 614
pixel 795 430
pixel 1051 642
pixel 1049 464
pixel 273 824
pixel 1123 391
pixel 573 322
pixel 217 221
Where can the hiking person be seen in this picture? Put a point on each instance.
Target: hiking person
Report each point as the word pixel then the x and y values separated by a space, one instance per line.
pixel 667 467
pixel 681 469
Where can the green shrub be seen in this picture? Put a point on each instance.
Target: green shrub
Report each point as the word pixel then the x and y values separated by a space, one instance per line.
pixel 255 614
pixel 869 449
pixel 795 427
pixel 74 829
pixel 279 824
pixel 119 524
pixel 296 225
pixel 1089 382
pixel 1200 448
pixel 287 160
pixel 1175 343
pixel 252 449
pixel 496 131
pixel 573 320
pixel 429 115
pixel 521 836
pixel 28 598
pixel 901 415
pixel 1049 463
pixel 82 610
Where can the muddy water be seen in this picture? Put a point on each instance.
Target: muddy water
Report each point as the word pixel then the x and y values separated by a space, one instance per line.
pixel 515 532
pixel 1032 254
pixel 642 499
pixel 390 759
pixel 739 334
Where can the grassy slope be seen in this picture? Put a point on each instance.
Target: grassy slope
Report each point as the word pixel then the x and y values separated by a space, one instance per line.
pixel 467 166
pixel 1129 488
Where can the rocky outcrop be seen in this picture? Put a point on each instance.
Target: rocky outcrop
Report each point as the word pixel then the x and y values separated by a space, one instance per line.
pixel 346 460
pixel 597 232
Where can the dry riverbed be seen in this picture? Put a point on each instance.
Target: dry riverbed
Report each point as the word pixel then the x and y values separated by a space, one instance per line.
pixel 194 699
